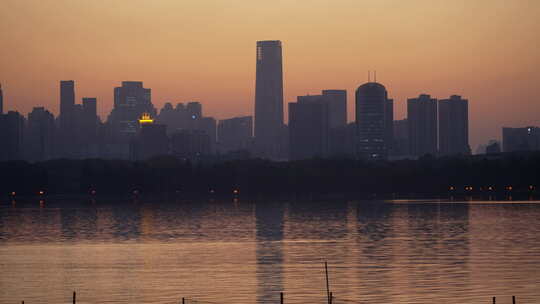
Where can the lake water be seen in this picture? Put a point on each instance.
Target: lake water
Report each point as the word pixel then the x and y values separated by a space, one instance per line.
pixel 161 250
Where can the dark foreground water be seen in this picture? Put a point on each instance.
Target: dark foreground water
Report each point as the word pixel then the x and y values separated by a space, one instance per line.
pixel 246 252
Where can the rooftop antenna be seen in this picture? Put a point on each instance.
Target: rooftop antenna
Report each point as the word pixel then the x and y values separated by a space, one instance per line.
pixel 368 76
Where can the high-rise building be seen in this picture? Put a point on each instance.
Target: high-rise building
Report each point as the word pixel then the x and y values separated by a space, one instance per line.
pixel 337 107
pixel 521 139
pixel 209 126
pixel 11 136
pixel 151 141
pixel 374 121
pixel 67 104
pixel 131 100
pixel 422 123
pixel 454 126
pixel 269 99
pixel 190 144
pixel 41 135
pixel 88 127
pixel 308 127
pixel 235 133
pixel 1 100
pixel 401 138
pixel 194 110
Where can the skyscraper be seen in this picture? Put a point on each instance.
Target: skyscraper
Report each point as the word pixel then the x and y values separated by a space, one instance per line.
pixel 235 133
pixel 308 127
pixel 337 107
pixel 269 98
pixel 374 121
pixel 67 104
pixel 454 126
pixel 1 100
pixel 401 138
pixel 11 136
pixel 521 139
pixel 422 124
pixel 131 100
pixel 40 138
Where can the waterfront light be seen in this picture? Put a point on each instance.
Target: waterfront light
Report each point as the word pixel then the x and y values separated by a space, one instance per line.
pixel 13 193
pixel 41 192
pixel 451 188
pixel 93 192
pixel 509 188
pixel 236 191
pixel 531 187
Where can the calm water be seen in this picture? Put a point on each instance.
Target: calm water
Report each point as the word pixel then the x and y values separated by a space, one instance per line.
pixel 245 252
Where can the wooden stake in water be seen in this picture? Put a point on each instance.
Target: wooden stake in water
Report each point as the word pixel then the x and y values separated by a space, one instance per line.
pixel 327 283
pixel 513 299
pixel 281 297
pixel 494 300
pixel 74 297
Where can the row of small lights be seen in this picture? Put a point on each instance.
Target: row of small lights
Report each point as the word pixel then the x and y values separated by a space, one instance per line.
pixel 490 188
pixel 237 191
pixel 135 192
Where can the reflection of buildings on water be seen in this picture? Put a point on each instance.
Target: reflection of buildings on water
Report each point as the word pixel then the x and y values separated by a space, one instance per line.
pixel 374 233
pixel 439 237
pixel 269 251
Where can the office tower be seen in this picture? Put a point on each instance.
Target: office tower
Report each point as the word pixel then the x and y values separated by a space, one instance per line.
pixel 422 121
pixel 88 127
pixel 11 136
pixel 269 99
pixel 308 127
pixel 401 138
pixel 151 141
pixel 131 100
pixel 67 104
pixel 190 144
pixel 337 107
pixel 235 133
pixel 373 113
pixel 389 126
pixel 342 140
pixel 1 100
pixel 89 116
pixel 208 125
pixel 194 110
pixel 521 139
pixel 454 126
pixel 41 135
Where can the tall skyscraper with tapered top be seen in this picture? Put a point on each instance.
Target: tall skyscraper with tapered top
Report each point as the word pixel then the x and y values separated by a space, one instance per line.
pixel 269 99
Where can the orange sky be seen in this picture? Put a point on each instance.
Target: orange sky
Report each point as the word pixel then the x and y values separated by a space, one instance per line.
pixel 485 50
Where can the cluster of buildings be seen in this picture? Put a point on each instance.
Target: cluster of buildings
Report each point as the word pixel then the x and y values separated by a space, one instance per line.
pixel 317 125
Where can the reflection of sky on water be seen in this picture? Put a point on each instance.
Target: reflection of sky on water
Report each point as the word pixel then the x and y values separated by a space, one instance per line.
pixel 247 252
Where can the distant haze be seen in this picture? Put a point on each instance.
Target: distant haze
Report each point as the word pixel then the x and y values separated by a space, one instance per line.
pixel 485 50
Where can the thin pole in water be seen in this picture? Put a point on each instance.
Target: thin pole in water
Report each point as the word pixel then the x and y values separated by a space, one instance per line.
pixel 281 297
pixel 74 297
pixel 327 283
pixel 183 301
pixel 494 300
pixel 513 299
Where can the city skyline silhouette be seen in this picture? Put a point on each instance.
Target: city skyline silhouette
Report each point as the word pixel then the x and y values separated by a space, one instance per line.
pixel 483 51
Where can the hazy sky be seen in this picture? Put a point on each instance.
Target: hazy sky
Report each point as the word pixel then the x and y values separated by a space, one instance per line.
pixel 484 50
